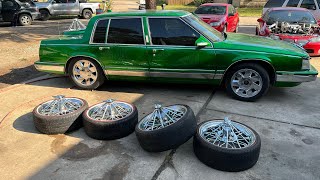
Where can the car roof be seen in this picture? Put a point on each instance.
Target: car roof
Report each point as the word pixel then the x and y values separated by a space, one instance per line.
pixel 287 8
pixel 177 13
pixel 215 4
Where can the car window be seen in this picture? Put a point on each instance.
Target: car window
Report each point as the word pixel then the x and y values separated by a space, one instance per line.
pixel 61 1
pixel 290 17
pixel 218 10
pixel 172 31
pixel 274 3
pixel 293 3
pixel 125 31
pixel 71 1
pixel 9 5
pixel 308 4
pixel 100 31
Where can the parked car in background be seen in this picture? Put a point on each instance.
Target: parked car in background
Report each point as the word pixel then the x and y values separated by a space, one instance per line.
pixel 295 25
pixel 142 4
pixel 223 17
pixel 312 5
pixel 67 7
pixel 173 46
pixel 18 12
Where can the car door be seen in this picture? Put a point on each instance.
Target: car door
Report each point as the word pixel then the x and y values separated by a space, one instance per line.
pixel 72 7
pixel 123 53
pixel 59 7
pixel 312 6
pixel 172 52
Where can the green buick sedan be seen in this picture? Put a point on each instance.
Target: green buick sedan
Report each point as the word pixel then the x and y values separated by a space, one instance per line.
pixel 175 47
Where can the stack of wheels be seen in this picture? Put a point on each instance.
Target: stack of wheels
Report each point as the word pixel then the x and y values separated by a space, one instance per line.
pixel 227 145
pixel 60 115
pixel 110 120
pixel 166 128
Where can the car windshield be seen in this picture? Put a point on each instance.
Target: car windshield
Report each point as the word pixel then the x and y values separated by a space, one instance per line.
pixel 217 10
pixel 289 16
pixel 204 28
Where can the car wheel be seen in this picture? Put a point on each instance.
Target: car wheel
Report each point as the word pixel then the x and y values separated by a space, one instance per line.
pixel 247 82
pixel 226 145
pixel 87 14
pixel 45 15
pixel 25 19
pixel 110 120
pixel 237 28
pixel 166 128
pixel 86 73
pixel 59 116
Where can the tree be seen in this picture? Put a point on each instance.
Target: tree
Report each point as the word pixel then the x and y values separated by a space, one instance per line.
pixel 151 4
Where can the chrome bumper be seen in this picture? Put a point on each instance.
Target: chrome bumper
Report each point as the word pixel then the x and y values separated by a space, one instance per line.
pixel 49 68
pixel 296 78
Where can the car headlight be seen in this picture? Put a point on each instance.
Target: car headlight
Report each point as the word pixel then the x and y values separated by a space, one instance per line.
pixel 215 24
pixel 305 63
pixel 315 39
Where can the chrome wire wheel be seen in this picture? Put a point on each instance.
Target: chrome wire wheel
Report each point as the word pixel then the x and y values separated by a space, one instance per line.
pixel 162 117
pixel 84 72
pixel 60 106
pixel 227 134
pixel 110 110
pixel 246 83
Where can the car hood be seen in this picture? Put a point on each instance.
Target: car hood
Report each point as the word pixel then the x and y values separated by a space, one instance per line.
pixel 42 4
pixel 262 44
pixel 210 17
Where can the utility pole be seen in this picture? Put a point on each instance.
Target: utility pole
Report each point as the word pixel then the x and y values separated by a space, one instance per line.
pixel 151 4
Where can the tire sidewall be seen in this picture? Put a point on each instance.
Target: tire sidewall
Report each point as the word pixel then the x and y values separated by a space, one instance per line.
pixel 100 79
pixel 256 67
pixel 45 15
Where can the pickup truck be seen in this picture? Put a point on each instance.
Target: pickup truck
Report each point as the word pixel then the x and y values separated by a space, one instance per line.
pixel 66 7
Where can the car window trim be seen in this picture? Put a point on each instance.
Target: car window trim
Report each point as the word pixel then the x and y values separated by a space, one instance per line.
pixel 94 31
pixel 175 17
pixel 127 17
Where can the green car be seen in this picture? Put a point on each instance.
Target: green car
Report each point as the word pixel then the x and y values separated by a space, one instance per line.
pixel 176 47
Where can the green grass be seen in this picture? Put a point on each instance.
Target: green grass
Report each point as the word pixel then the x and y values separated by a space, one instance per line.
pixel 244 12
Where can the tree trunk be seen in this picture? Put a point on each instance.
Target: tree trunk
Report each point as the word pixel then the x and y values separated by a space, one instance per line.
pixel 151 4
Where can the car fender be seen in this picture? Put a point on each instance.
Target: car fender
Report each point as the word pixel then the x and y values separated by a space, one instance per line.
pixel 86 55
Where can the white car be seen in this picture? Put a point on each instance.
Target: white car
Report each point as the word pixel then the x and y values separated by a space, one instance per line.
pixel 311 5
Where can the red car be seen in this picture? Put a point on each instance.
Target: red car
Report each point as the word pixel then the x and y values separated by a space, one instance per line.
pixel 295 25
pixel 221 16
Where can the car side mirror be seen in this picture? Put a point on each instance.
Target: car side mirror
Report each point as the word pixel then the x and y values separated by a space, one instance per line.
pixel 202 44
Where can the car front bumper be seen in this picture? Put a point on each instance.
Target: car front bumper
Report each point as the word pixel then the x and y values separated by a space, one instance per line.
pixel 313 48
pixel 298 76
pixel 35 15
pixel 50 67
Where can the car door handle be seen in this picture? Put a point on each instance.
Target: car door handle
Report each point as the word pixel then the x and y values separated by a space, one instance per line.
pixel 155 50
pixel 102 48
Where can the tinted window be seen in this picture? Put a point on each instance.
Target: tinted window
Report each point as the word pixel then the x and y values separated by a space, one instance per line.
pixel 61 1
pixel 308 4
pixel 126 31
pixel 219 10
pixel 9 5
pixel 290 17
pixel 293 3
pixel 274 3
pixel 100 32
pixel 171 31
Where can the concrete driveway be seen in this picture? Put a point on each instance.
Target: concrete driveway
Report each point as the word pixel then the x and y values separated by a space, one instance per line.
pixel 287 120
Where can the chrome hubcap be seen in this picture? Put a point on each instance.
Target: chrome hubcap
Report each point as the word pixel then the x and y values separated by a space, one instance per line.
pixel 25 19
pixel 85 72
pixel 110 110
pixel 162 117
pixel 59 106
pixel 227 134
pixel 246 83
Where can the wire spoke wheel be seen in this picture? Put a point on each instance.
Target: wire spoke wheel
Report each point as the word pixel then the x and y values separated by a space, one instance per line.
pixel 85 72
pixel 227 134
pixel 246 83
pixel 110 110
pixel 60 106
pixel 162 117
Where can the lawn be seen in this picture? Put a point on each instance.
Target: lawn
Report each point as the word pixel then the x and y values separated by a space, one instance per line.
pixel 244 12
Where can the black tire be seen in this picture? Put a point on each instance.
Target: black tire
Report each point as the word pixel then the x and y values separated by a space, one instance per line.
pixel 109 130
pixel 45 15
pixel 59 124
pixel 256 67
pixel 232 160
pixel 100 79
pixel 25 19
pixel 237 28
pixel 86 13
pixel 169 137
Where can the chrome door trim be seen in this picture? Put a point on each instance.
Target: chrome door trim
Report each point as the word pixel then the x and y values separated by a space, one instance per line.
pixel 182 75
pixel 127 73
